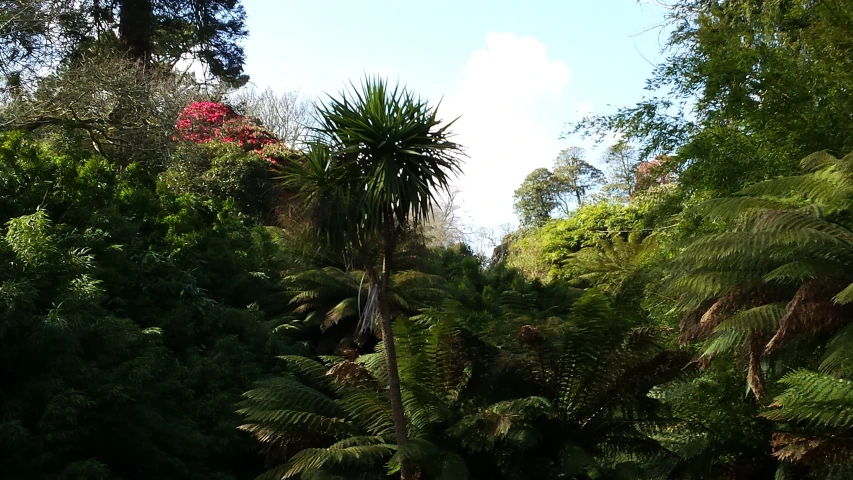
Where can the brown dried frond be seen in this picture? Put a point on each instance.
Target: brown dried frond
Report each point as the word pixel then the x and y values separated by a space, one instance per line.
pixel 351 373
pixel 755 378
pixel 811 310
pixel 690 326
pixel 811 450
pixel 702 321
pixel 793 448
pixel 530 336
pixel 722 309
pixel 349 353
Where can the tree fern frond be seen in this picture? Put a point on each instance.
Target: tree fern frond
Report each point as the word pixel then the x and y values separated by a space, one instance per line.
pixel 799 271
pixel 814 450
pixel 357 457
pixel 271 424
pixel 430 459
pixel 844 296
pixel 822 187
pixel 819 161
pixel 347 308
pixel 734 207
pixel 423 407
pixel 304 296
pixel 838 359
pixel 290 394
pixel 724 342
pixel 694 289
pixel 371 410
pixel 800 219
pixel 311 369
pixel 763 318
pixel 375 364
pixel 517 303
pixel 811 310
pixel 814 399
pixel 482 430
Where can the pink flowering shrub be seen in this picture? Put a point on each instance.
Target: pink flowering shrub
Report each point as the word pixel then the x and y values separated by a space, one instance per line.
pixel 202 122
pixel 246 133
pixel 653 172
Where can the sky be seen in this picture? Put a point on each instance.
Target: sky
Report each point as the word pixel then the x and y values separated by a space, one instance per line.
pixel 515 73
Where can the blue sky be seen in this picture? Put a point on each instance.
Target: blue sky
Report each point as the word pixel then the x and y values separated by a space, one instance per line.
pixel 516 72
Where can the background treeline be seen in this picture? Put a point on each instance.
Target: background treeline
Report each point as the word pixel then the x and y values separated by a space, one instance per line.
pixel 196 283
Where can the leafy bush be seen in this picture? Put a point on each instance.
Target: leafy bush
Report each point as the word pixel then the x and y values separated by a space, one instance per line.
pixel 135 310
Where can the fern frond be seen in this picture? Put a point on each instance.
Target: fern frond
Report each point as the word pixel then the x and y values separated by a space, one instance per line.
pixel 430 459
pixel 484 429
pixel 799 271
pixel 375 364
pixel 735 207
pixel 825 187
pixel 347 308
pixel 723 342
pixel 825 453
pixel 371 410
pixel 819 161
pixel 290 394
pixel 814 399
pixel 845 296
pixel 312 370
pixel 838 359
pixel 763 318
pixel 517 303
pixel 357 457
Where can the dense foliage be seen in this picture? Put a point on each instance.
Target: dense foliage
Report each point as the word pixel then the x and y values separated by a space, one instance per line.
pixel 135 312
pixel 185 295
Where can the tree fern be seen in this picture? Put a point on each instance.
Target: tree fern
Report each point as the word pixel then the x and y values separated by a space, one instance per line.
pixel 332 416
pixel 611 262
pixel 787 243
pixel 590 374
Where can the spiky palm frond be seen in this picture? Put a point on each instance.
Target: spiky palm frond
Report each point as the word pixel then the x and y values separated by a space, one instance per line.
pixel 395 144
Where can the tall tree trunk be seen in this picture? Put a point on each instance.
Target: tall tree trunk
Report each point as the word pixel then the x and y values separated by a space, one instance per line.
pixel 398 414
pixel 136 22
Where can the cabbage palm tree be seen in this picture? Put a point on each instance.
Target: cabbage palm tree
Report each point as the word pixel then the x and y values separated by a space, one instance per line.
pixel 381 158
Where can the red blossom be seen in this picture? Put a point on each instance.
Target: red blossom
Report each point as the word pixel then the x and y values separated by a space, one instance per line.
pixel 202 122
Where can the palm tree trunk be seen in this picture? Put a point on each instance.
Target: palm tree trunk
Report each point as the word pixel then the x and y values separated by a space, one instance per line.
pixel 398 414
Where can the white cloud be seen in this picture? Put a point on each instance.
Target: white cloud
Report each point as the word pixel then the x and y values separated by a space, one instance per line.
pixel 509 98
